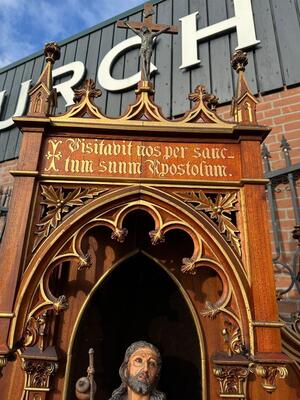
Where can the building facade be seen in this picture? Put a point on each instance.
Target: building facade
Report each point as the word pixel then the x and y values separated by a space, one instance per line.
pixel 208 34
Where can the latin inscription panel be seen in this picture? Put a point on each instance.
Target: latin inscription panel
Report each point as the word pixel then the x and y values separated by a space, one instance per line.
pixel 140 159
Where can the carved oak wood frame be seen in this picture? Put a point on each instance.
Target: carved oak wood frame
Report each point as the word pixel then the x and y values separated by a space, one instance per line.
pixel 159 205
pixel 251 332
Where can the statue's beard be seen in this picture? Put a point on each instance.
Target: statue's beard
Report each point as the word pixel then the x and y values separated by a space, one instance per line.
pixel 142 387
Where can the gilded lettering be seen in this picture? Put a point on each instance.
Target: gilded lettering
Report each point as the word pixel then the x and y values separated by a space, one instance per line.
pixel 148 151
pixel 78 166
pixel 174 152
pixel 214 153
pixel 202 169
pixel 120 167
pixel 102 166
pixel 223 152
pixel 73 144
pixel 100 147
pixel 53 155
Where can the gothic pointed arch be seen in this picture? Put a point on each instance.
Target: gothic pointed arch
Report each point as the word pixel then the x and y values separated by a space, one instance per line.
pixel 146 302
pixel 168 211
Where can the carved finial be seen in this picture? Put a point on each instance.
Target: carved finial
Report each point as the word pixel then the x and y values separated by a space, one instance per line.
pixel 198 94
pixel 43 98
pixel 87 91
pixel 52 52
pixel 239 60
pixel 244 103
pixel 208 99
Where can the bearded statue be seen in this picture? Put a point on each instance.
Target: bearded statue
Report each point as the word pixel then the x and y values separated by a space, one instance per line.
pixel 139 373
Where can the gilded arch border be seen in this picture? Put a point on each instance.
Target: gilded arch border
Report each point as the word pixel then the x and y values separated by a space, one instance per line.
pixel 140 196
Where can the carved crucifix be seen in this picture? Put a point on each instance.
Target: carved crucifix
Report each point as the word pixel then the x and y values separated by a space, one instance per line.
pixel 147 30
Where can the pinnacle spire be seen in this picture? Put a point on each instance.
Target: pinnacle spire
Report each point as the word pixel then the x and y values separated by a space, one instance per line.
pixel 42 96
pixel 244 103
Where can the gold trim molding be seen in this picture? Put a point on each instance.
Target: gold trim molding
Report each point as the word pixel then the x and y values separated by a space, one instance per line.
pixel 24 173
pixel 7 315
pixel 268 324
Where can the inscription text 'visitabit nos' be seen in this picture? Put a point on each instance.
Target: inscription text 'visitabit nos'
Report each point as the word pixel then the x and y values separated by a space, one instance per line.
pixel 139 159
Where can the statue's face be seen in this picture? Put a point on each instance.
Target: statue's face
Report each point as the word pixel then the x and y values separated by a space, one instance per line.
pixel 142 370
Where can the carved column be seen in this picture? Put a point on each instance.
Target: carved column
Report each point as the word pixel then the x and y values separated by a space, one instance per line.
pixel 232 374
pixel 269 371
pixel 16 228
pixel 265 313
pixel 39 367
pixel 42 101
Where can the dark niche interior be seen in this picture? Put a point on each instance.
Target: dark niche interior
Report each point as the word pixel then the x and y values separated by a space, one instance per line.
pixel 138 301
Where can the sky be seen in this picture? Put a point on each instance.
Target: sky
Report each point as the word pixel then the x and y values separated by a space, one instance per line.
pixel 26 25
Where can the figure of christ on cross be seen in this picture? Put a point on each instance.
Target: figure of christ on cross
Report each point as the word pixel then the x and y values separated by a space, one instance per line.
pixel 147 31
pixel 146 49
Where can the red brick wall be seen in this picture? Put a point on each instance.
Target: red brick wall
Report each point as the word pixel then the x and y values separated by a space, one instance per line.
pixel 281 111
pixel 6 179
pixel 6 182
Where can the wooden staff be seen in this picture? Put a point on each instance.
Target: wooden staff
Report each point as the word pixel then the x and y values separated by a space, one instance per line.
pixel 91 373
pixel 86 386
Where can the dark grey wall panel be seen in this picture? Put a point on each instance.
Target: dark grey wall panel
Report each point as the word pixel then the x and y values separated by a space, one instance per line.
pixel 7 105
pixel 113 107
pixel 60 101
pixel 269 73
pixel 82 47
pixel 181 78
pixel 272 64
pixel 163 60
pixel 70 52
pixel 37 69
pixel 13 138
pixel 93 55
pixel 67 55
pixel 220 53
pixel 2 79
pixel 105 46
pixel 131 65
pixel 28 70
pixel 201 74
pixel 288 34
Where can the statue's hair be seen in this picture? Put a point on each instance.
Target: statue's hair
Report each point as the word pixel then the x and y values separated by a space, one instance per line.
pixel 121 392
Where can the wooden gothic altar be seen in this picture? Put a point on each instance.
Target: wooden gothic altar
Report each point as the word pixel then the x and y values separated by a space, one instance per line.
pixel 139 227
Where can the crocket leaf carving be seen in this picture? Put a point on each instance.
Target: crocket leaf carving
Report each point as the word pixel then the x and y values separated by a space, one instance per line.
pixel 57 203
pixel 219 209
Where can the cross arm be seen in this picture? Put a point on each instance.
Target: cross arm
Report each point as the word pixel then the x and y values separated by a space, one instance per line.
pixel 153 27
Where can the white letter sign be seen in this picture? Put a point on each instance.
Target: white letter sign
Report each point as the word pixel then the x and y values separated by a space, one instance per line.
pixel 22 100
pixel 243 22
pixel 65 88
